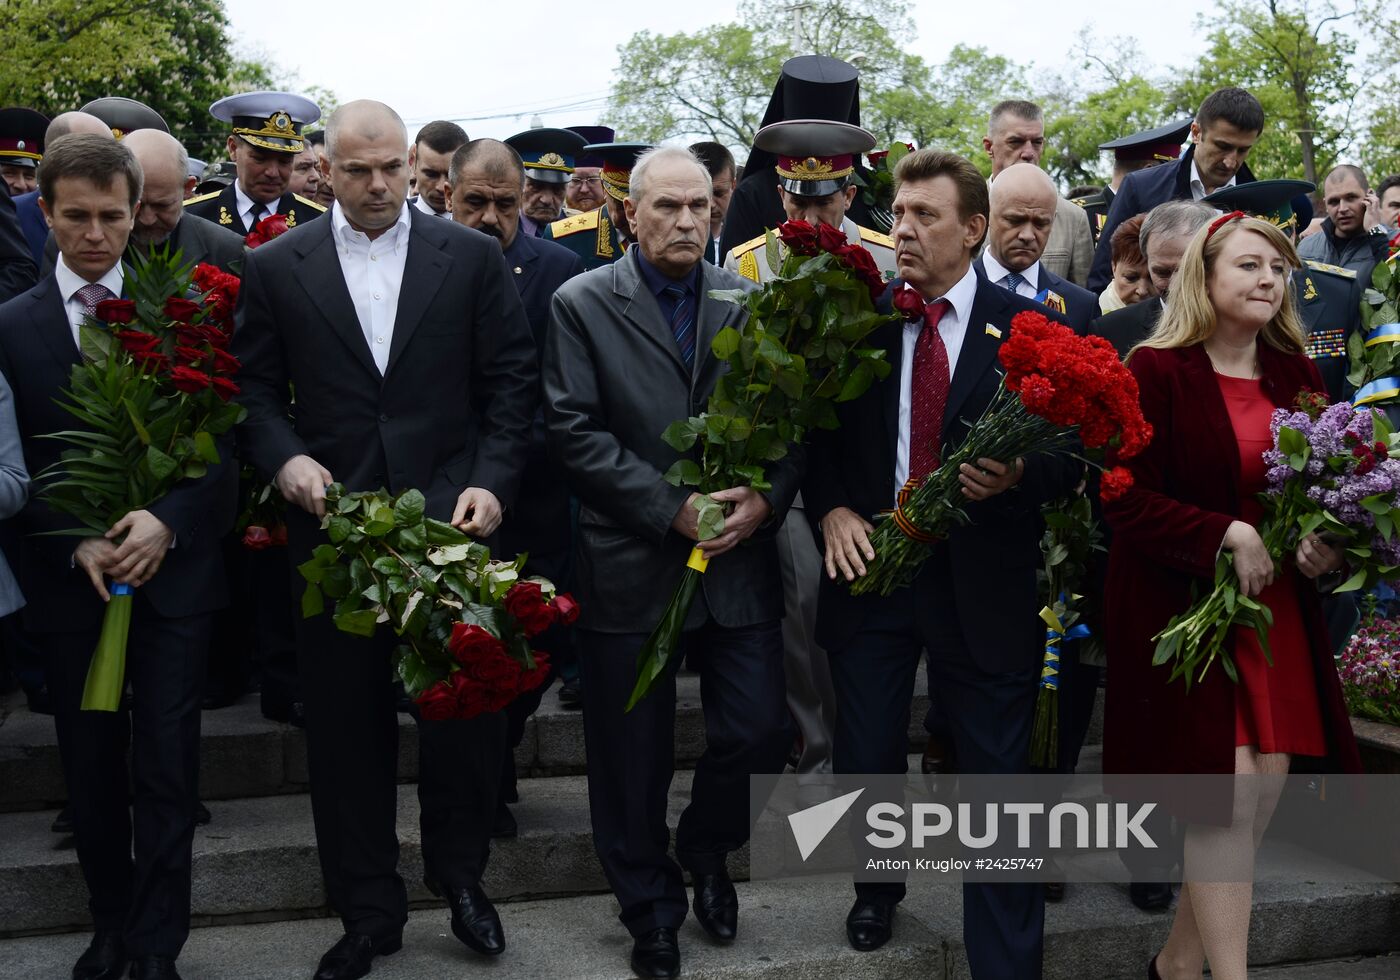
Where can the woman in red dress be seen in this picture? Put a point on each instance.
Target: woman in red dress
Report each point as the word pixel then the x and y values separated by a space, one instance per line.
pixel 1228 351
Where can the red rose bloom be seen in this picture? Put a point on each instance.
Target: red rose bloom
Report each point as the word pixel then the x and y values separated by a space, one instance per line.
pixel 151 360
pixel 1115 482
pixel 182 310
pixel 266 230
pixel 908 303
pixel 525 602
pixel 225 389
pixel 470 641
pixel 188 380
pixel 531 679
pixel 440 702
pixel 565 608
pixel 224 362
pixel 799 236
pixel 256 538
pixel 863 264
pixel 116 311
pixel 189 355
pixel 279 531
pixel 830 239
pixel 135 340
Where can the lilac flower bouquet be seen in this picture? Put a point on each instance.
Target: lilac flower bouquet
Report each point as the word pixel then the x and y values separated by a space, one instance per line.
pixel 1331 471
pixel 1369 667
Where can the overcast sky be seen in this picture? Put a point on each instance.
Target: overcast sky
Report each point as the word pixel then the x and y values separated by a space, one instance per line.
pixel 555 57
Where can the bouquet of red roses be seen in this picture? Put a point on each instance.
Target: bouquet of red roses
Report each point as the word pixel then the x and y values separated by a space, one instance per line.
pixel 799 352
pixel 467 621
pixel 1059 389
pixel 152 397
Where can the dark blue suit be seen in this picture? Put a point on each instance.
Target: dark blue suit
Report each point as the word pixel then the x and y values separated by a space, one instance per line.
pixel 1081 306
pixel 32 223
pixel 973 606
pixel 1142 191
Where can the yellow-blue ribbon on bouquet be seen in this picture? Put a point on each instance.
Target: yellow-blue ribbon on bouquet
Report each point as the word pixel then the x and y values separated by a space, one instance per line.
pixel 1055 636
pixel 1378 390
pixel 1386 333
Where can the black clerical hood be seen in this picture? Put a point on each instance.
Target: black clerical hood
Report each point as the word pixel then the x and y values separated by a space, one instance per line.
pixel 811 86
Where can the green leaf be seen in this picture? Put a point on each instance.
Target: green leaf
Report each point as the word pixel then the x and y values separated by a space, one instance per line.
pixel 680 436
pixel 312 603
pixel 361 622
pixel 408 509
pixel 710 523
pixel 684 472
pixel 416 675
pixel 1352 584
pixel 160 464
pixel 450 554
pixel 204 447
pixel 726 343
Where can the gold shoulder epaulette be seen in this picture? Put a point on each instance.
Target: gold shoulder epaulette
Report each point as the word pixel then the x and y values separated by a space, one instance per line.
pixel 310 204
pixel 587 221
pixel 1080 201
pixel 749 245
pixel 875 237
pixel 1336 270
pixel 202 197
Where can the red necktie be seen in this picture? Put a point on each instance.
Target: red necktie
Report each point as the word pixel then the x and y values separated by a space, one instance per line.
pixel 928 394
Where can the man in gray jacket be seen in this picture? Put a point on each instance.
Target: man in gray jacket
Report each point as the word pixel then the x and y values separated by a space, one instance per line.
pixel 628 353
pixel 1353 235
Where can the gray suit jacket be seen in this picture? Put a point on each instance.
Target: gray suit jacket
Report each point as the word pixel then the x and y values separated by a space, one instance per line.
pixel 1069 252
pixel 14 490
pixel 613 381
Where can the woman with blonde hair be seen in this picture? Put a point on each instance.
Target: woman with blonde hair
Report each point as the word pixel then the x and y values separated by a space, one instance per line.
pixel 1227 352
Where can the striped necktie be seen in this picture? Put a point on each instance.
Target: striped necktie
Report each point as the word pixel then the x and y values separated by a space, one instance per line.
pixel 682 322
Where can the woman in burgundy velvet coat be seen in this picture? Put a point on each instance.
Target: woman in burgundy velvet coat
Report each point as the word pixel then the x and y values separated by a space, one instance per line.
pixel 1229 349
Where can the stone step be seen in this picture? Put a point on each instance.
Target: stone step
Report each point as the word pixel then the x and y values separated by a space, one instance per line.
pixel 795 928
pixel 245 755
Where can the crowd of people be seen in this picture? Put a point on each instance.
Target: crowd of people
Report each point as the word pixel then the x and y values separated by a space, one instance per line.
pixel 508 327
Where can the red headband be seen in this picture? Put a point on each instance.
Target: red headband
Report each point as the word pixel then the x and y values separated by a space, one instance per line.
pixel 1224 219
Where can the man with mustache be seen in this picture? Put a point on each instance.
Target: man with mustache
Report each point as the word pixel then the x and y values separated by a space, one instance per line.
pixel 548 156
pixel 629 352
pixel 485 181
pixel 265 141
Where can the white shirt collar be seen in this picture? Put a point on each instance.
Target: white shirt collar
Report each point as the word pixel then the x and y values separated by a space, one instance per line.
pixel 246 203
pixel 346 234
pixel 69 282
pixel 1198 186
pixel 422 205
pixel 996 272
pixel 962 294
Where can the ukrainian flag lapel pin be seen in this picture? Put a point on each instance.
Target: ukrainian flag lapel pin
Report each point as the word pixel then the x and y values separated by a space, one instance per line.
pixel 994 331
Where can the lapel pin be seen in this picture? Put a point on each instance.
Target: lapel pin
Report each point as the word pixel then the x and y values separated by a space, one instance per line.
pixel 994 331
pixel 517 270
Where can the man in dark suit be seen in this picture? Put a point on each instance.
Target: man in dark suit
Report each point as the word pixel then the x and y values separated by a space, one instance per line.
pixel 973 605
pixel 1166 232
pixel 1228 124
pixel 485 179
pixel 265 141
pixel 412 365
pixel 1023 203
pixel 628 353
pixel 169 551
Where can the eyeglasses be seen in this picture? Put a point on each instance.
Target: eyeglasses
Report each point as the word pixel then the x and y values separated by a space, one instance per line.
pixel 586 181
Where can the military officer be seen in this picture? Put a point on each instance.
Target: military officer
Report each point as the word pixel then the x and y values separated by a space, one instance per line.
pixel 1135 152
pixel 21 148
pixel 548 155
pixel 125 115
pixel 265 141
pixel 585 188
pixel 599 237
pixel 815 160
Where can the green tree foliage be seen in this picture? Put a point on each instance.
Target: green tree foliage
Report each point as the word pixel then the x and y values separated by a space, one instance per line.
pixel 174 55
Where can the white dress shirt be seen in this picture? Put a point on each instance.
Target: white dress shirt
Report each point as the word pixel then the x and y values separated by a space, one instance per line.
pixel 1198 186
pixel 996 272
pixel 373 271
pixel 422 204
pixel 246 205
pixel 69 282
pixel 952 328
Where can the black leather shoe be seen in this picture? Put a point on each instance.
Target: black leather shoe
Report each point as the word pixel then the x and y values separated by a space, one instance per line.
pixel 571 694
pixel 63 823
pixel 154 968
pixel 287 712
pixel 868 925
pixel 201 814
pixel 350 957
pixel 657 954
pixel 39 700
pixel 504 825
pixel 104 959
pixel 938 756
pixel 1150 896
pixel 716 906
pixel 474 919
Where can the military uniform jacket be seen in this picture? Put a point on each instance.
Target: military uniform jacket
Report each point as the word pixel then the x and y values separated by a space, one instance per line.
pixel 221 208
pixel 1096 207
pixel 1329 304
pixel 750 259
pixel 590 235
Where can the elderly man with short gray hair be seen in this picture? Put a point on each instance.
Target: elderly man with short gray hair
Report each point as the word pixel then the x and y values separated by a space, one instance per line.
pixel 628 353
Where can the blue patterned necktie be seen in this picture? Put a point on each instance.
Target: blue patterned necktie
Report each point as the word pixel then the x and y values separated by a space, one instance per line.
pixel 682 322
pixel 1013 281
